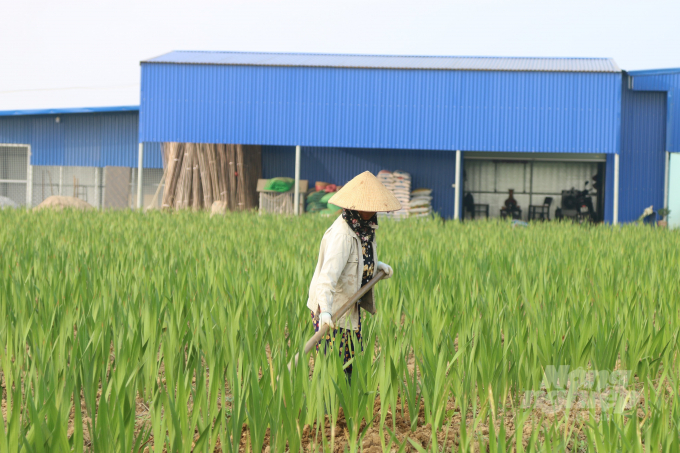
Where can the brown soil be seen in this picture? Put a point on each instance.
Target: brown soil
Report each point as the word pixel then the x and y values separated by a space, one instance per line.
pixel 399 423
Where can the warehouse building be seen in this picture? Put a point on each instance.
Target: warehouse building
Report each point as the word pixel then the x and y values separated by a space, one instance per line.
pixel 653 125
pixel 78 152
pixel 459 125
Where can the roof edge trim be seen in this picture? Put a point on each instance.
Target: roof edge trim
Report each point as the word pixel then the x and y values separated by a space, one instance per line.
pixel 384 68
pixel 122 108
pixel 645 72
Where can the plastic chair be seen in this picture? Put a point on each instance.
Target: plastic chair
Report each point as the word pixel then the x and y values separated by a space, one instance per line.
pixel 541 212
pixel 482 209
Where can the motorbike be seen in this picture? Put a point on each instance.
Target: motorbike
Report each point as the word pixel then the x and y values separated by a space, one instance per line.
pixel 577 205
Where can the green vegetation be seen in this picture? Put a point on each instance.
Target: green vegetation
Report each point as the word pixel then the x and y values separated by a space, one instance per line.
pixel 123 331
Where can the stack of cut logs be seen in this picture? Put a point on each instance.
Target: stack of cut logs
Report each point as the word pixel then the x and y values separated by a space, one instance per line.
pixel 198 174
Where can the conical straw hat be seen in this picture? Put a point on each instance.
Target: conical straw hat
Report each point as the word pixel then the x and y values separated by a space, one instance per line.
pixel 366 193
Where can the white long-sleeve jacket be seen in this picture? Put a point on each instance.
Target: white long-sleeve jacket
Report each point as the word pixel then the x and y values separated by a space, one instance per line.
pixel 338 275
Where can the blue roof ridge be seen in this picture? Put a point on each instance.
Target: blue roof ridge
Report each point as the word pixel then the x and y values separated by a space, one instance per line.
pixel 418 62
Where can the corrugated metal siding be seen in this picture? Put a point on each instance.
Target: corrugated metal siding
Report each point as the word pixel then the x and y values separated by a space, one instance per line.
pixel 375 108
pixel 390 61
pixel 642 161
pixel 86 140
pixel 669 82
pixel 431 169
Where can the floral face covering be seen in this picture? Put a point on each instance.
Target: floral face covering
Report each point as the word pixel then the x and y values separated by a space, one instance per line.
pixel 365 230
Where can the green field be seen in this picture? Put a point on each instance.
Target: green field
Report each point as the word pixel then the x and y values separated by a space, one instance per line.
pixel 141 332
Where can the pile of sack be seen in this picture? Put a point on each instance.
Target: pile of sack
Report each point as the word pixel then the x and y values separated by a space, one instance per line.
pixel 279 184
pixel 399 182
pixel 317 199
pixel 387 180
pixel 421 203
pixel 402 191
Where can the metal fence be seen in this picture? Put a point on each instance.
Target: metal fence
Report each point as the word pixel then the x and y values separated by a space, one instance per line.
pixel 151 178
pixel 15 173
pixel 108 187
pixel 80 182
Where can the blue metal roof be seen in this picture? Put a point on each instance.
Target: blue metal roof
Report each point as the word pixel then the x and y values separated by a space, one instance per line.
pixel 654 72
pixel 123 108
pixel 390 61
pixel 80 139
pixel 567 112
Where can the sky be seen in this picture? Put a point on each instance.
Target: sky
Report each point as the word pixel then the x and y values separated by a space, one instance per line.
pixel 68 53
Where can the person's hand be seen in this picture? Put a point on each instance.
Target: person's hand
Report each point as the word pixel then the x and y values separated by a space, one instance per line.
pixel 386 268
pixel 325 318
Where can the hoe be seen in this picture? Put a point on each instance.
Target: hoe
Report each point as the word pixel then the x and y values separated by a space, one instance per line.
pixel 337 315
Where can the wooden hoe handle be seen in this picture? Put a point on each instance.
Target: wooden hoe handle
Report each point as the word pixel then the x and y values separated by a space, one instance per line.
pixel 311 344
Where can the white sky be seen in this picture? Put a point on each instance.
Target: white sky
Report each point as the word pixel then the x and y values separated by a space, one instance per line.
pixel 70 53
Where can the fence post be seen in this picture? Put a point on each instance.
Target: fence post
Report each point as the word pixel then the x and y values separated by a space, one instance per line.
pixel 665 181
pixel 296 201
pixel 456 203
pixel 97 188
pixel 29 180
pixel 140 172
pixel 616 190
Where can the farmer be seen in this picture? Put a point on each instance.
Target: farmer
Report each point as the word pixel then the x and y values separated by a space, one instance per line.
pixel 347 260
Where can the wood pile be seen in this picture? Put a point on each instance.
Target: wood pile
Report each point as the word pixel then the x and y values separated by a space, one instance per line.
pixel 198 174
